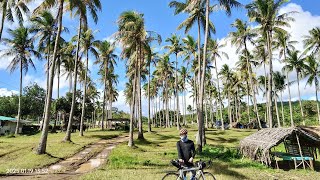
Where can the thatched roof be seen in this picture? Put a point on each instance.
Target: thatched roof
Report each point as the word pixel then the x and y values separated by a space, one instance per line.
pixel 258 145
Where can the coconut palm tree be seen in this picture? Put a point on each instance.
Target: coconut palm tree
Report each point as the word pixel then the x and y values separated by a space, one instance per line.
pixel 175 48
pixel 107 61
pixel 241 37
pixel 227 77
pixel 153 59
pixel 46 5
pixel 215 53
pixel 226 5
pixel 11 9
pixel 312 70
pixel 296 62
pixel 196 15
pixel 266 14
pixel 20 49
pixel 81 9
pixel 312 41
pixel 131 33
pixel 284 44
pixel 279 86
pixel 88 45
pixel 164 72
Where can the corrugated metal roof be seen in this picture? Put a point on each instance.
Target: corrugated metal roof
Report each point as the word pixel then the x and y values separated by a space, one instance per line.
pixel 3 118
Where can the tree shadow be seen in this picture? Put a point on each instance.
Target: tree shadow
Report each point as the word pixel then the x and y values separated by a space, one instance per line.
pixel 104 137
pixel 219 168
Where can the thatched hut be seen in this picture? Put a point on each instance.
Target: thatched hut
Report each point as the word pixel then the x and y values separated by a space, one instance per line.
pixel 298 141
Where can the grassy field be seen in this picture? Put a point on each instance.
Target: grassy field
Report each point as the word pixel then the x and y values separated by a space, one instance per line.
pixel 150 158
pixel 18 152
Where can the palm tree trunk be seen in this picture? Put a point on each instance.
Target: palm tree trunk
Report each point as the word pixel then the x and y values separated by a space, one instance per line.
pixel 269 41
pixel 248 100
pixel 48 70
pixel 130 142
pixel 288 84
pixel 219 95
pixel 252 87
pixel 58 95
pixel 236 107
pixel 68 134
pixel 167 106
pixel 201 130
pixel 177 94
pixel 185 108
pixel 84 94
pixel 302 115
pixel 43 140
pixel 20 95
pixel 277 112
pixel 140 132
pixel 3 17
pixel 229 110
pixel 149 122
pixel 316 87
pixel 266 91
pixel 282 110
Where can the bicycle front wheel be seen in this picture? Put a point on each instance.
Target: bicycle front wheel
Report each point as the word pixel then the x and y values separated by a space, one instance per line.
pixel 207 176
pixel 171 176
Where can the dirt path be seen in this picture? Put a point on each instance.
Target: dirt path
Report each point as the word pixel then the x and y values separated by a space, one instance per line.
pixel 83 162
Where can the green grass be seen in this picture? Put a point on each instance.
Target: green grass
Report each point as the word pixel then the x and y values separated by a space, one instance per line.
pixel 149 159
pixel 19 152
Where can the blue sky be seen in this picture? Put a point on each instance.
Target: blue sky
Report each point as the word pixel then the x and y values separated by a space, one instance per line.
pixel 158 17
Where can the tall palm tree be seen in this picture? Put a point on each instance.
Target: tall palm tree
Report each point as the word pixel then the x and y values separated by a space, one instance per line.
pixel 131 33
pixel 21 49
pixel 296 62
pixel 266 14
pixel 215 53
pixel 284 44
pixel 227 77
pixel 107 60
pixel 81 9
pixel 175 48
pixel 164 72
pixel 44 25
pixel 88 44
pixel 184 75
pixel 226 5
pixel 279 86
pixel 196 11
pixel 11 9
pixel 153 59
pixel 241 37
pixel 47 4
pixel 312 70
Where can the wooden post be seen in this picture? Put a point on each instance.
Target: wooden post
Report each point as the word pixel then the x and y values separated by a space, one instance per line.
pixel 304 167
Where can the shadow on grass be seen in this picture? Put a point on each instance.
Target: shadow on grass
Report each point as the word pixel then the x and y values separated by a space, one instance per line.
pixel 104 137
pixel 52 156
pixel 219 168
pixel 223 140
pixel 289 165
pixel 166 137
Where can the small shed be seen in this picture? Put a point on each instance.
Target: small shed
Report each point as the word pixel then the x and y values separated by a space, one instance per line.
pixel 298 141
pixel 8 125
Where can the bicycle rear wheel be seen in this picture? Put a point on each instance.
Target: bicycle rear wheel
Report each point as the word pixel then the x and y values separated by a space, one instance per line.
pixel 207 176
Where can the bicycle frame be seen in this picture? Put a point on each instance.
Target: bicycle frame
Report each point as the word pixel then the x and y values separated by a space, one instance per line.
pixel 185 169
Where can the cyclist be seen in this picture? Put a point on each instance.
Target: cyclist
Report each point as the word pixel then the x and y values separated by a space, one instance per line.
pixel 186 151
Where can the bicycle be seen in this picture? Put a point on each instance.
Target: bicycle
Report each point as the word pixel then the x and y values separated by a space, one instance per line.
pixel 179 175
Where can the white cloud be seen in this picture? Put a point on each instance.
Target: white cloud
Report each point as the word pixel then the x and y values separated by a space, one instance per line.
pixel 6 92
pixel 304 21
